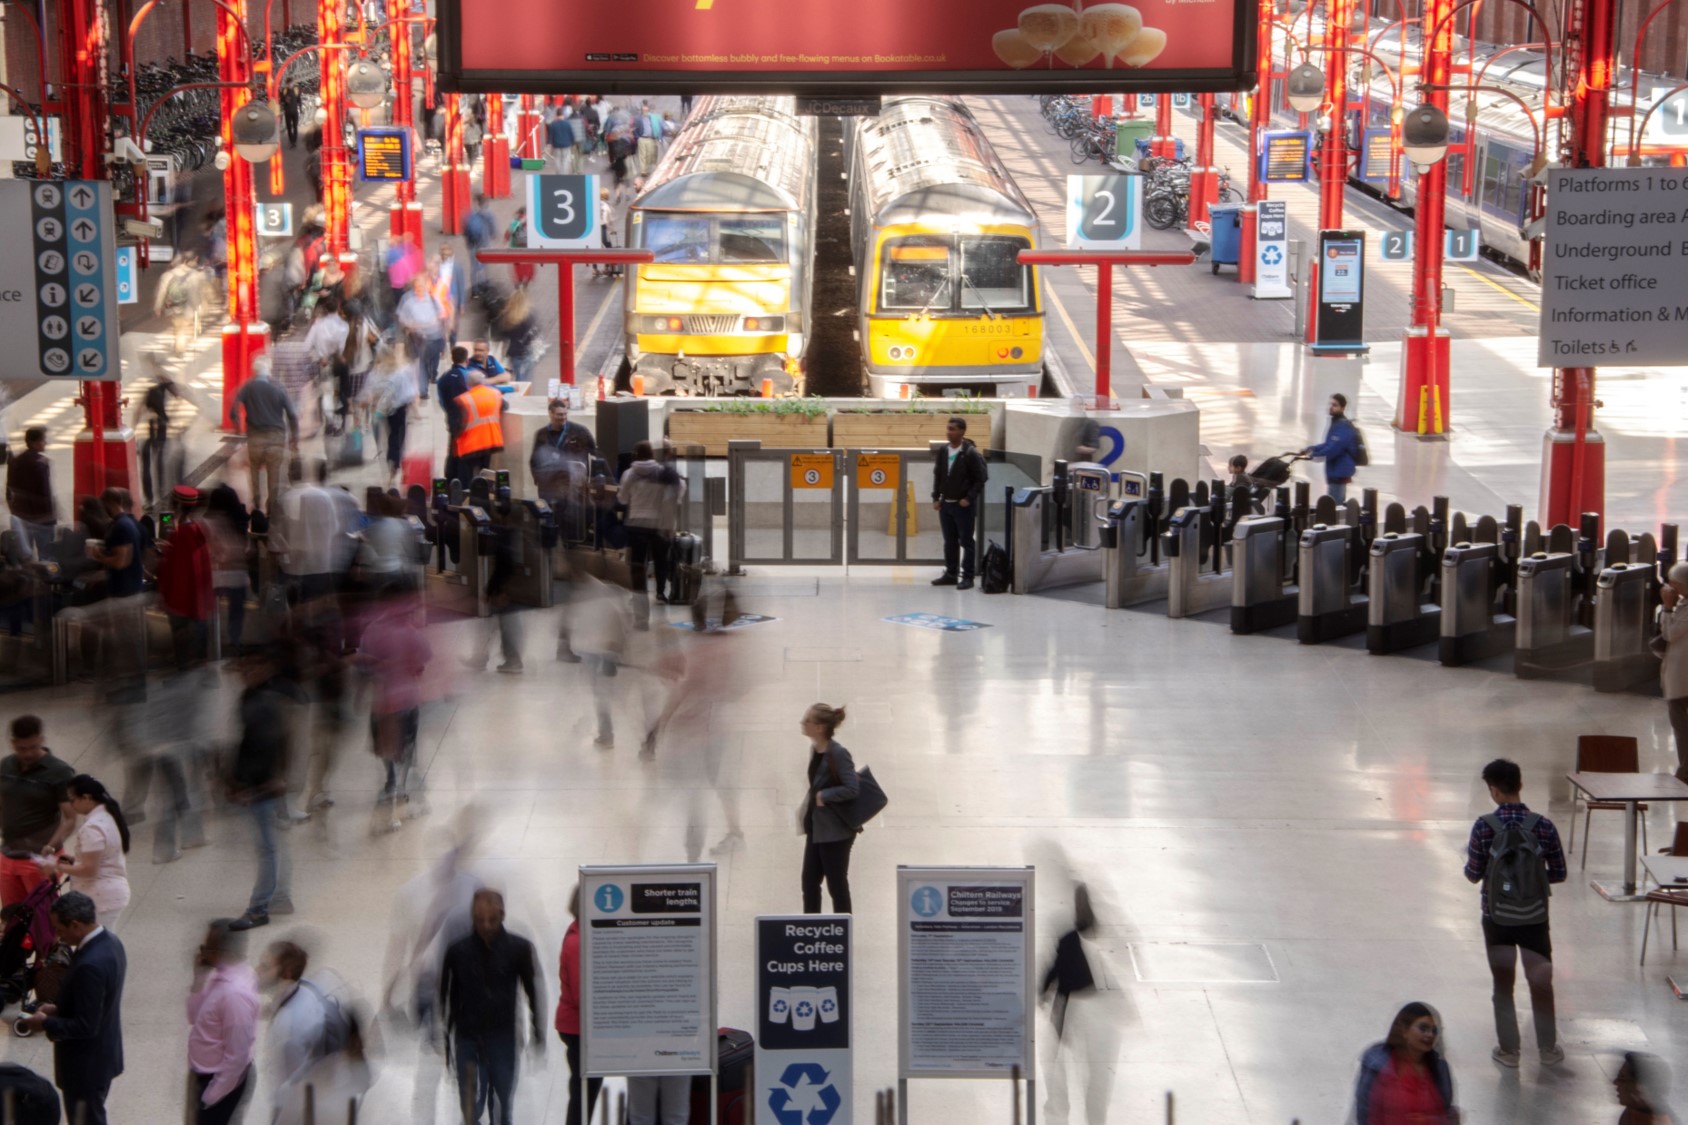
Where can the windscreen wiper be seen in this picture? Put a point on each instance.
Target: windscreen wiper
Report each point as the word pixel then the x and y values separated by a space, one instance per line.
pixel 941 290
pixel 984 304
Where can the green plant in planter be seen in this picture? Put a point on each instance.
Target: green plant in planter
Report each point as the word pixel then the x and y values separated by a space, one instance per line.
pixel 801 407
pixel 919 404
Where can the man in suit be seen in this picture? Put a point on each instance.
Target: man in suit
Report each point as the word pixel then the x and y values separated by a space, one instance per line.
pixel 86 1024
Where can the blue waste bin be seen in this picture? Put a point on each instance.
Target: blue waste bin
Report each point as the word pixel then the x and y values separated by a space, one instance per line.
pixel 1227 220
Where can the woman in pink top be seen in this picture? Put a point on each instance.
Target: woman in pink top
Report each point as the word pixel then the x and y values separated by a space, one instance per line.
pixel 568 1013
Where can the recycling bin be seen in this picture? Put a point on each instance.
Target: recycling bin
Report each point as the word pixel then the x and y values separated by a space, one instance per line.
pixel 1128 131
pixel 1227 220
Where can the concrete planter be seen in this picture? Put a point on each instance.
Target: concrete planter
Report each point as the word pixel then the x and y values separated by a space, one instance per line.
pixel 713 429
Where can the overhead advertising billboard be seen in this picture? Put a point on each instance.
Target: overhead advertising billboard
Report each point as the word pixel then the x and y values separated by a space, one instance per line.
pixel 843 46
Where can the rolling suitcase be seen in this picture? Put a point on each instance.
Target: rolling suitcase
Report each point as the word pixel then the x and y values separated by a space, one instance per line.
pixel 736 1052
pixel 419 471
pixel 685 561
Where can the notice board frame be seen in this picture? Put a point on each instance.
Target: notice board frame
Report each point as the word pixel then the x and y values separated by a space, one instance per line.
pixel 1238 76
pixel 910 877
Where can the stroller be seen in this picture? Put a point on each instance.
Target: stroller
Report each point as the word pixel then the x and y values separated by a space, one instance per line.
pixel 32 959
pixel 1268 476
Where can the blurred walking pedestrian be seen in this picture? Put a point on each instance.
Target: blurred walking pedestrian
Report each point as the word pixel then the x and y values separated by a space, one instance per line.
pixel 478 1005
pixel 828 832
pixel 29 495
pixel 272 429
pixel 315 1044
pixel 424 321
pixel 1082 1051
pixel 1404 1080
pixel 36 813
pixel 222 1026
pixel 1643 1089
pixel 1673 671
pixel 98 868
pixel 651 490
pixel 396 655
pixel 568 1016
pixel 258 782
pixel 186 578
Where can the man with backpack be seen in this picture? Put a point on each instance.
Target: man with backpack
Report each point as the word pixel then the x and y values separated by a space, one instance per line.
pixel 1343 450
pixel 1515 854
pixel 181 297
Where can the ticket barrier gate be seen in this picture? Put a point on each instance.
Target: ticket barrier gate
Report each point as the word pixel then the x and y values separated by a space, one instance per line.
pixel 1328 606
pixel 1623 627
pixel 1549 638
pixel 1264 594
pixel 539 541
pixel 1474 626
pixel 1133 569
pixel 1057 530
pixel 1193 586
pixel 1398 615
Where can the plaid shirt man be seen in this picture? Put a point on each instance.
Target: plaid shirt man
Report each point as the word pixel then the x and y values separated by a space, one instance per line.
pixel 1483 837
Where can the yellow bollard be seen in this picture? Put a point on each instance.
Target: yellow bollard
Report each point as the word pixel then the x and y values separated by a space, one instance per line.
pixel 1436 405
pixel 911 526
pixel 891 517
pixel 1423 409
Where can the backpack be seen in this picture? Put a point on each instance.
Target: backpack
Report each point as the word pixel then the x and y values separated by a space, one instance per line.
pixel 994 574
pixel 519 234
pixel 336 1024
pixel 1516 880
pixel 1362 458
pixel 176 293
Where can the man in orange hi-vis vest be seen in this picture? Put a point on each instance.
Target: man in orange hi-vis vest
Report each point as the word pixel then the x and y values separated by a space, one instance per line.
pixel 481 434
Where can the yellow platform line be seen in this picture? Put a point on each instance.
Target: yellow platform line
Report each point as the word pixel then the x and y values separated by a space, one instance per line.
pixel 1061 310
pixel 1493 284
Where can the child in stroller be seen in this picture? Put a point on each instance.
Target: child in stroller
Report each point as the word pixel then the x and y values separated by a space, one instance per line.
pixel 32 960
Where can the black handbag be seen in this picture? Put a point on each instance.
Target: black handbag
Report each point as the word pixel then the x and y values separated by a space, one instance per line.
pixel 870 799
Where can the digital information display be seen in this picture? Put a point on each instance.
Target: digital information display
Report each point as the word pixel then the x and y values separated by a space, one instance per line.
pixel 839 47
pixel 1374 156
pixel 383 155
pixel 1285 158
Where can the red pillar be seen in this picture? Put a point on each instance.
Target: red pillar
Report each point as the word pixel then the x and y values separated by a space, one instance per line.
pixel 1574 455
pixel 105 450
pixel 406 214
pixel 495 151
pixel 454 172
pixel 565 321
pixel 1162 143
pixel 1259 119
pixel 336 164
pixel 1204 181
pixel 245 335
pixel 528 143
pixel 1333 147
pixel 1423 405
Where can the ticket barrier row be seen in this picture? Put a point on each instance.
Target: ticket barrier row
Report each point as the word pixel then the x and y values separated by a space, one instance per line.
pixel 467 529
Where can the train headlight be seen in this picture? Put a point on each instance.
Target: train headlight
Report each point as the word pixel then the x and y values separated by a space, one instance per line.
pixel 764 324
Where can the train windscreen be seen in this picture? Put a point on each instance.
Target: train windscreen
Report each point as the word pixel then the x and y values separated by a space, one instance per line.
pixel 674 236
pixel 966 274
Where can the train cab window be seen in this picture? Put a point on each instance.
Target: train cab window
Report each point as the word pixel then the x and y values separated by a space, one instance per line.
pixel 752 238
pixel 674 237
pixel 916 274
pixel 992 277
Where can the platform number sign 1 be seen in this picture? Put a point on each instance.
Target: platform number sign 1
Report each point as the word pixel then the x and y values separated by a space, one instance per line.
pixel 1673 115
pixel 564 211
pixel 1104 212
pixel 1462 246
pixel 1396 245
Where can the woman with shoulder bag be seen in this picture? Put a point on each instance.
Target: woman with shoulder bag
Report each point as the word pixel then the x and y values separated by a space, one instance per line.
pixel 825 817
pixel 1673 672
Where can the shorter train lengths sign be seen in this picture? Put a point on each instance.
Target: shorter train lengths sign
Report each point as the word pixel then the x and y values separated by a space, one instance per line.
pixel 845 46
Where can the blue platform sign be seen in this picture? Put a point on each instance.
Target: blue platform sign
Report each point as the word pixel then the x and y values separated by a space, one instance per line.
pixel 60 312
pixel 126 294
pixel 384 155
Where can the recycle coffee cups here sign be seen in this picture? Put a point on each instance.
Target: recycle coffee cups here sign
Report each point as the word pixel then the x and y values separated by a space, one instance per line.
pixel 803 1070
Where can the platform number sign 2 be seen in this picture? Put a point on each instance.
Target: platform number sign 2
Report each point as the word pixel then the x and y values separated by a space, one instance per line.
pixel 564 210
pixel 1396 245
pixel 1104 212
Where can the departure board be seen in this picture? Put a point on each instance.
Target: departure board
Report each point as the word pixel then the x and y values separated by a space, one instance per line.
pixel 1284 158
pixel 383 155
pixel 1374 157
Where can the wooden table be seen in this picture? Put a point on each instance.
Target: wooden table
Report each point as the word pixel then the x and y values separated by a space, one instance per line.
pixel 1631 790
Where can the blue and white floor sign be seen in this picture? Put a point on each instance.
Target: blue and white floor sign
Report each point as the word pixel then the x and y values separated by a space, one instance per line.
pixel 803 1002
pixel 937 621
pixel 1271 239
pixel 563 212
pixel 711 624
pixel 647 950
pixel 966 982
pixel 63 296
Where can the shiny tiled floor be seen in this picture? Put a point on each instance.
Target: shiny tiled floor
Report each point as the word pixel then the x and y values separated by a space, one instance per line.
pixel 1272 834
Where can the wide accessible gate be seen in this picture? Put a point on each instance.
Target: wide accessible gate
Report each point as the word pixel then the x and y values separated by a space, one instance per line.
pixel 861 507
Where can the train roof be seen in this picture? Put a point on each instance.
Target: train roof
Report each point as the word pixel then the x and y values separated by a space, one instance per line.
pixel 928 159
pixel 736 154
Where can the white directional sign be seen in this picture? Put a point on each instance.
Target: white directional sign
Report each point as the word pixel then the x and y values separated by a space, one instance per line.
pixel 1615 268
pixel 58 304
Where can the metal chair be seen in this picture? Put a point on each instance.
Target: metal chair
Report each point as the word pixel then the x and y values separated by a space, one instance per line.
pixel 1605 753
pixel 1672 897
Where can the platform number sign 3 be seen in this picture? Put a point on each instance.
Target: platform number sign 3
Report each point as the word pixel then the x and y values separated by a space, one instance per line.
pixel 564 211
pixel 1104 212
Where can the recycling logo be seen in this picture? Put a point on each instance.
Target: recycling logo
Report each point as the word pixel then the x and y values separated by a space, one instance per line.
pixel 1271 255
pixel 805 1096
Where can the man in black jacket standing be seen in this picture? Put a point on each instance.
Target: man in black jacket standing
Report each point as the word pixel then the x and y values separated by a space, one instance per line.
pixel 86 1024
pixel 958 484
pixel 478 1001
